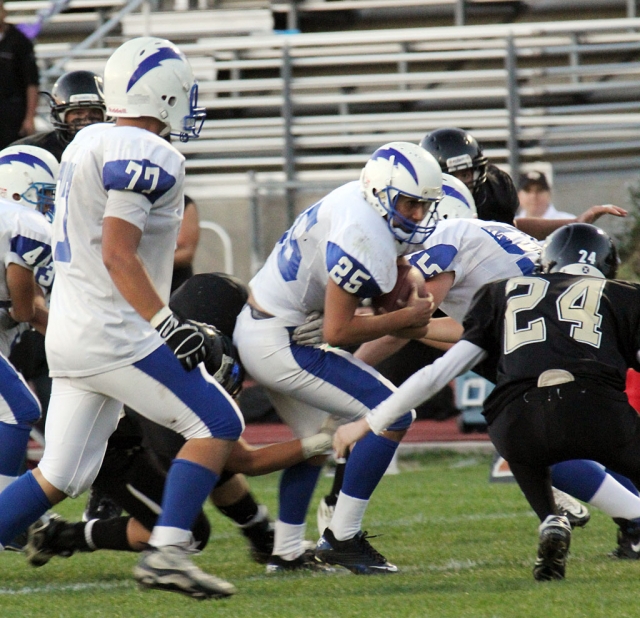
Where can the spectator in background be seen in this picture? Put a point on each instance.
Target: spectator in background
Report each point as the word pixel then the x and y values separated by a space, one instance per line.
pixel 534 193
pixel 186 245
pixel 19 83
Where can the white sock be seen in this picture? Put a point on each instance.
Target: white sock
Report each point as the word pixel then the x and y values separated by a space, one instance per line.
pixel 167 535
pixel 616 500
pixel 347 518
pixel 5 481
pixel 288 540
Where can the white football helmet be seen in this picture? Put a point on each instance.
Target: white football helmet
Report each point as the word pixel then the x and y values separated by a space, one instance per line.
pixel 148 76
pixel 457 203
pixel 28 175
pixel 402 168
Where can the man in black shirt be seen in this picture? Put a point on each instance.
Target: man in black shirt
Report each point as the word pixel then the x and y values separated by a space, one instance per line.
pixel 19 83
pixel 560 344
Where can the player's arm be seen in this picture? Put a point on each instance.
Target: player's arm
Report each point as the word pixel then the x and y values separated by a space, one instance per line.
pixel 344 326
pixel 251 461
pixel 27 301
pixel 188 236
pixel 541 228
pixel 443 330
pixel 374 352
pixel 120 241
pixel 420 387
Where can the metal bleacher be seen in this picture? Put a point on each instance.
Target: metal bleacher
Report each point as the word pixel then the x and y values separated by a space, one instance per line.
pixel 290 109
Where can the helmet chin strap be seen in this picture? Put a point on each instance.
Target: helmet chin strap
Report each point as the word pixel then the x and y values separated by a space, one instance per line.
pixel 166 131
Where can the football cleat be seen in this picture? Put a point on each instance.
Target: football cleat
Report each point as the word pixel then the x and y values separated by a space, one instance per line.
pixel 567 506
pixel 18 544
pixel 259 532
pixel 355 554
pixel 43 540
pixel 554 541
pixel 324 514
pixel 100 506
pixel 306 562
pixel 169 568
pixel 628 539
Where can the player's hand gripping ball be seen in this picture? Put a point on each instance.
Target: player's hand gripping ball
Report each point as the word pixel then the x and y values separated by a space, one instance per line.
pixel 408 277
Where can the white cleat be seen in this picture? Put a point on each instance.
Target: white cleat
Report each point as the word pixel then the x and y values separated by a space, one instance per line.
pixel 169 568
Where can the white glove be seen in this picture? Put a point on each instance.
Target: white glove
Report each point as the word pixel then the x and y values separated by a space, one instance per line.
pixel 321 442
pixel 310 333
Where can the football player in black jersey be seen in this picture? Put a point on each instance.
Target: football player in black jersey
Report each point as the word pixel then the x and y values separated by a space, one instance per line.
pixel 560 343
pixel 76 101
pixel 460 155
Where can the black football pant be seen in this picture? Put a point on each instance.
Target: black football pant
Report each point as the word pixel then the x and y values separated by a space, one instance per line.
pixel 559 423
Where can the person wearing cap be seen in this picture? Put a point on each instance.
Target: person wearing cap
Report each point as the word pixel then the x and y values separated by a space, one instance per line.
pixel 534 193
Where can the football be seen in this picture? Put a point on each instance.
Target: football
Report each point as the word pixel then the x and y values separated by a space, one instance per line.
pixel 408 276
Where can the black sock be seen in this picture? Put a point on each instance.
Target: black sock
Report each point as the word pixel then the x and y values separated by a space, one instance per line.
pixel 111 534
pixel 70 538
pixel 242 511
pixel 332 497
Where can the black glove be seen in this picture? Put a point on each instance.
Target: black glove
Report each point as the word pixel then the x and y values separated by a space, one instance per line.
pixel 223 361
pixel 186 338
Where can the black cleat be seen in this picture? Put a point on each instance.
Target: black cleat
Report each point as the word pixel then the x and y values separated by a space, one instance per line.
pixel 306 562
pixel 555 539
pixel 169 568
pixel 260 535
pixel 355 554
pixel 628 539
pixel 43 540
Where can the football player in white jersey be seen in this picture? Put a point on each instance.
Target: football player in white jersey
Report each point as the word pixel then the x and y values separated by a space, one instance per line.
pixel 339 251
pixel 457 259
pixel 112 338
pixel 27 184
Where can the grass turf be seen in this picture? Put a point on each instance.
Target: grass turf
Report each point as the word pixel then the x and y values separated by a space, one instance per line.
pixel 465 547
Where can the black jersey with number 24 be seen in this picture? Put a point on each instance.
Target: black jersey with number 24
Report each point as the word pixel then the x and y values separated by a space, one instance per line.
pixel 529 324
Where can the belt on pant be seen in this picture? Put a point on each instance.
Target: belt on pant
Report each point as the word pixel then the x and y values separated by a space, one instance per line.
pixel 551 377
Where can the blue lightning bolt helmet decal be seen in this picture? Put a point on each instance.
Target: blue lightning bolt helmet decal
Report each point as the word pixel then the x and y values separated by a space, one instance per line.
pixel 27 159
pixel 399 158
pixel 151 62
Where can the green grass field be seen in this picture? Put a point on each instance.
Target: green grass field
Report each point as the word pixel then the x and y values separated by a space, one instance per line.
pixel 465 547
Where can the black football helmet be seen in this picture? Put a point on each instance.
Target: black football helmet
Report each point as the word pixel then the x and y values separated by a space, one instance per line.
pixel 579 249
pixel 215 300
pixel 75 90
pixel 455 150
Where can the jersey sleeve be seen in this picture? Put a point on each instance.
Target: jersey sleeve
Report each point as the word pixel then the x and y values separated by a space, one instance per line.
pixel 434 260
pixel 358 265
pixel 140 174
pixel 30 244
pixel 482 324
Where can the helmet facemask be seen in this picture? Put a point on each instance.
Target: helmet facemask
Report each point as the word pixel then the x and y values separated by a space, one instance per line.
pixel 401 168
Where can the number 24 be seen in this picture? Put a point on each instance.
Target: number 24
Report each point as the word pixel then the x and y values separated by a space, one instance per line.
pixel 578 304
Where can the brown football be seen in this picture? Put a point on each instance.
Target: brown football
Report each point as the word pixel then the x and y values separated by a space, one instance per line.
pixel 408 276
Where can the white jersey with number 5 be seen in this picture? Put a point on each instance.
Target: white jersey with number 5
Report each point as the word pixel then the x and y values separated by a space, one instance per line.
pixel 341 237
pixel 477 252
pixel 130 174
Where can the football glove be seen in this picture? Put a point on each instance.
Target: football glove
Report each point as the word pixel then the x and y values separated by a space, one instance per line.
pixel 321 442
pixel 310 333
pixel 186 338
pixel 223 361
